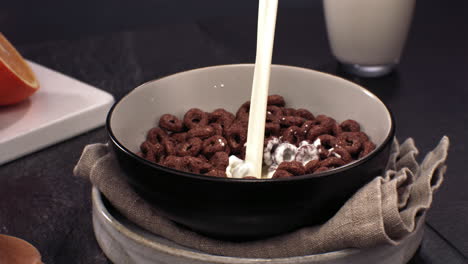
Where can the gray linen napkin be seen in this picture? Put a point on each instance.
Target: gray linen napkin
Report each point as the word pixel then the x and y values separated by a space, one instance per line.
pixel 384 211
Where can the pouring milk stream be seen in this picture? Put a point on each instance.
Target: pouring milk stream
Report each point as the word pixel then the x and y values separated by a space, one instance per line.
pixel 275 151
pixel 252 166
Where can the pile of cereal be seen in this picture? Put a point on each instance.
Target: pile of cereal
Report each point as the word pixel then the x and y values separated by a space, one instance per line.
pixel 296 142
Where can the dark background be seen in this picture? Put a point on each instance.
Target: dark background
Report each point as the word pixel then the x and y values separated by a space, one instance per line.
pixel 116 45
pixel 51 19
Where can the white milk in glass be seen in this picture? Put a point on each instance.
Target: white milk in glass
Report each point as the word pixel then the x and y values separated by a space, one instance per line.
pixel 368 32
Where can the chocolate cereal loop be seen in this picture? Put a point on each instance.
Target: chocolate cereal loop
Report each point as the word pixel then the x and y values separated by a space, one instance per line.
pixel 220 160
pixel 217 173
pixel 327 141
pixel 243 111
pixel 321 169
pixel 236 138
pixel 316 131
pixel 276 100
pixel 367 147
pixel 282 174
pixel 156 135
pixel 293 135
pixel 196 165
pixel 286 121
pixel 350 126
pixel 191 147
pixel 215 144
pixel 174 162
pixel 342 153
pixel 201 132
pixel 169 145
pixel 294 167
pixel 273 110
pixel 217 128
pixel 195 117
pixel 296 142
pixel 179 137
pixel 306 114
pixel 289 111
pixel 332 162
pixel 171 123
pixel 221 117
pixel 272 129
pixel 350 141
pixel 311 166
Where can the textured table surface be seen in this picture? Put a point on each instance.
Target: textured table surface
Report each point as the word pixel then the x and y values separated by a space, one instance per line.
pixel 42 202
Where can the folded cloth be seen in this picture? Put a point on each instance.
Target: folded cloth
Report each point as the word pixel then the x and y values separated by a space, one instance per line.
pixel 384 211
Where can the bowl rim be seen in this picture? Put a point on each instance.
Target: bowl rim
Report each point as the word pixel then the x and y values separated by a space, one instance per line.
pixel 340 169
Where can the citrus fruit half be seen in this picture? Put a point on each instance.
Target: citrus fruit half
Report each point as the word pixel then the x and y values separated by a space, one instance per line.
pixel 14 250
pixel 17 81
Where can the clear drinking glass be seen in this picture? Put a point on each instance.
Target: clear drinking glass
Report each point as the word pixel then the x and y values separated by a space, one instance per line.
pixel 367 36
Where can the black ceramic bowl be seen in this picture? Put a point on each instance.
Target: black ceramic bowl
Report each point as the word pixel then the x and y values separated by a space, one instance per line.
pixel 239 209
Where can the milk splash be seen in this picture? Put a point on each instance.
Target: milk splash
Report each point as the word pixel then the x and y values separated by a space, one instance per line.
pixel 274 153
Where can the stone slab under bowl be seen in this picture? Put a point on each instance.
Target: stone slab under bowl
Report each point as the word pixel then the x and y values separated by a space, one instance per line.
pixel 124 242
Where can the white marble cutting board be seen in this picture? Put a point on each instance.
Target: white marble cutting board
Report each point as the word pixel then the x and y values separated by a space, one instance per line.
pixel 62 108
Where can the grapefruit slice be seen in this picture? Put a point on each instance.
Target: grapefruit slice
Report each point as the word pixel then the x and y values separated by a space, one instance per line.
pixel 17 81
pixel 14 250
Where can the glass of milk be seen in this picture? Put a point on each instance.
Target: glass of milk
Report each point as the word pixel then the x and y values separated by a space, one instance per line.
pixel 367 36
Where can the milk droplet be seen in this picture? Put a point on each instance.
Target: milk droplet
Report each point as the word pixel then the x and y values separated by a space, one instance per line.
pixel 221 142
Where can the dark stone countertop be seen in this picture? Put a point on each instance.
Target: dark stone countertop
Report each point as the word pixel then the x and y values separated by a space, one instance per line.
pixel 41 201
